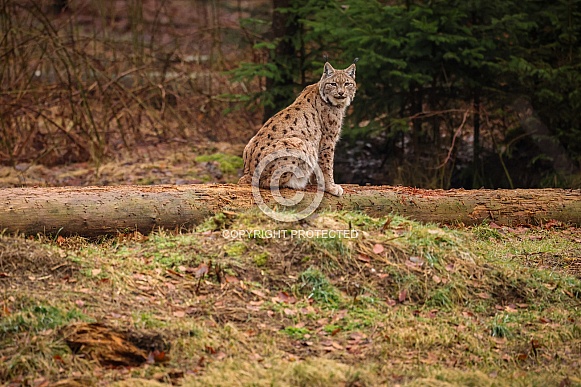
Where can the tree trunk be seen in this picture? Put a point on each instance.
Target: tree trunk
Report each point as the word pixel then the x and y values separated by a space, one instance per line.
pixel 285 25
pixel 92 211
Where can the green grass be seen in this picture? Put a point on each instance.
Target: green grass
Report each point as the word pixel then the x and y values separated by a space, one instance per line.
pixel 38 318
pixel 316 286
pixel 296 333
pixel 229 164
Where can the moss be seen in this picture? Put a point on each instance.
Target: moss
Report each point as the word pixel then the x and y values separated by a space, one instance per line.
pixel 229 164
pixel 235 249
pixel 260 259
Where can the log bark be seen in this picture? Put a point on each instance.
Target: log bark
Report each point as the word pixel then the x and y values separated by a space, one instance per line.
pixel 93 211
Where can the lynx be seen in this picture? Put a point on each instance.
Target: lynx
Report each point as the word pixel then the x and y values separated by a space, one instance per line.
pixel 310 128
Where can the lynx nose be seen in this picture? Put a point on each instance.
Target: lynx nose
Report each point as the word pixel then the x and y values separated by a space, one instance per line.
pixel 341 93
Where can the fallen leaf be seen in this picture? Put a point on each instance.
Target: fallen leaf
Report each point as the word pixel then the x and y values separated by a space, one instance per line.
pixel 378 248
pixel 436 279
pixel 340 315
pixel 179 313
pixel 413 266
pixel 363 258
pixel 231 279
pixel 511 308
pixel 357 336
pixel 402 295
pixel 40 382
pixel 390 302
pixel 552 223
pixel 258 293
pixel 80 303
pixel 483 295
pixel 522 356
pixel 323 321
pixel 417 260
pixel 284 297
pixel 201 270
pixel 95 272
pixel 336 345
pixel 256 357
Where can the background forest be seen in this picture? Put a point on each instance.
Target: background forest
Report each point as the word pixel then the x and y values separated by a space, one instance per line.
pixel 451 93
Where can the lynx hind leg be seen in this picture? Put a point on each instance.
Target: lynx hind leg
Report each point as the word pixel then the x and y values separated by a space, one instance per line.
pixel 293 168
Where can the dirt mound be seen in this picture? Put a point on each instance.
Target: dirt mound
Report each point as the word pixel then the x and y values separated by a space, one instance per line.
pixel 25 259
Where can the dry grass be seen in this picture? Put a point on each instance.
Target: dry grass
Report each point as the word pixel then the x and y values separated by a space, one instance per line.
pixel 402 304
pixel 87 82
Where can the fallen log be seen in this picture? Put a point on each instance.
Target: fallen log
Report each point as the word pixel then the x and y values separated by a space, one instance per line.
pixel 93 211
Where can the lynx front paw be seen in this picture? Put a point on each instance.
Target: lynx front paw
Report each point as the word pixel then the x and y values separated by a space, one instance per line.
pixel 334 189
pixel 244 180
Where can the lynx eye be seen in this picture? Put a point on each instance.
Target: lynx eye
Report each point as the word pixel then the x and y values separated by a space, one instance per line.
pixel 333 84
pixel 348 84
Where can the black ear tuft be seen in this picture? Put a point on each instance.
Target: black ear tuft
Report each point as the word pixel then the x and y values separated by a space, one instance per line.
pixel 355 60
pixel 326 57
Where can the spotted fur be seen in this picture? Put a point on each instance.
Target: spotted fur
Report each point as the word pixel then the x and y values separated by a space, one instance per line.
pixel 310 125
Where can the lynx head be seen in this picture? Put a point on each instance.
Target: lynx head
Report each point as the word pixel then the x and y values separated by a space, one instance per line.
pixel 338 87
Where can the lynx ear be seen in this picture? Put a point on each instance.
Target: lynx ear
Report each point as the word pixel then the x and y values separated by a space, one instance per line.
pixel 351 71
pixel 328 70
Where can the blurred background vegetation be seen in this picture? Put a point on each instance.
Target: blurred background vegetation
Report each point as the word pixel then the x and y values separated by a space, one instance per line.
pixel 451 93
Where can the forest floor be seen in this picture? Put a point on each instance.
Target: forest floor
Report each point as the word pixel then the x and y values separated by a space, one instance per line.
pixel 393 302
pixel 163 163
